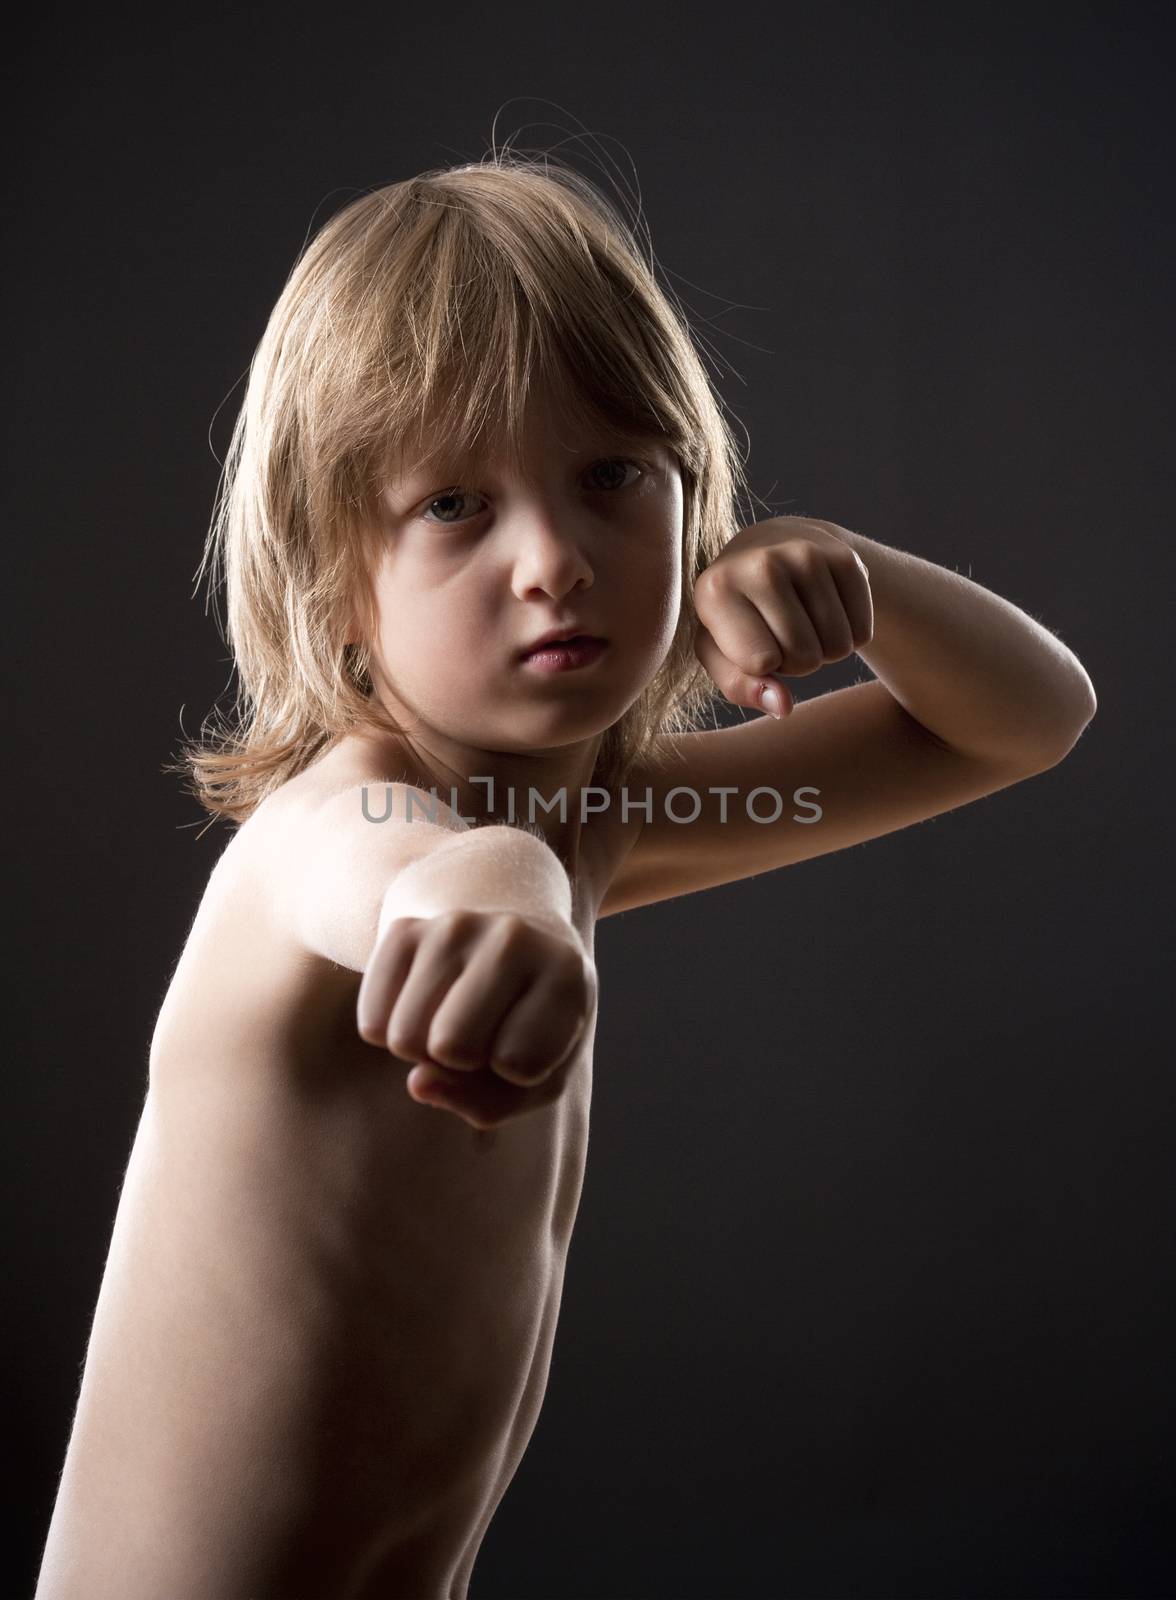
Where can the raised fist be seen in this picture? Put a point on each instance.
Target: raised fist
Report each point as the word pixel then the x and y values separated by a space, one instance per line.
pixel 489 1005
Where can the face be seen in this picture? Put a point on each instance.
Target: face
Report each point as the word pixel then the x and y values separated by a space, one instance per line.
pixel 588 535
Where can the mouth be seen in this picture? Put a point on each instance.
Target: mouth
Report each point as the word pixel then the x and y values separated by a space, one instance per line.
pixel 557 655
pixel 555 636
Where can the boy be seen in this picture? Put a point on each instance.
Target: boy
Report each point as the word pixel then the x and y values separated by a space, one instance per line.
pixel 324 1331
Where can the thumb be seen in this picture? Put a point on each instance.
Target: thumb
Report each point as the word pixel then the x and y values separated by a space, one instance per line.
pixel 742 688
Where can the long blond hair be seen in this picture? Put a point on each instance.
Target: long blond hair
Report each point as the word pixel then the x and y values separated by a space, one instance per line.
pixel 427 308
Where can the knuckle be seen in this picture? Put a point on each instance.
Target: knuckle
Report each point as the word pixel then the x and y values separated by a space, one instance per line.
pixel 448 924
pixel 454 1051
pixel 713 579
pixel 372 1026
pixel 399 931
pixel 518 1066
pixel 840 642
pixel 507 931
pixel 403 1045
pixel 527 1077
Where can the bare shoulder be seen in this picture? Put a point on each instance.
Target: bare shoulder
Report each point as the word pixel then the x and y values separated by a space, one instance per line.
pixel 297 822
pixel 349 781
pixel 328 843
pixel 245 968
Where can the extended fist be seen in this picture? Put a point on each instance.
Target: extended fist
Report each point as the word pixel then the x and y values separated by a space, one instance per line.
pixel 490 1005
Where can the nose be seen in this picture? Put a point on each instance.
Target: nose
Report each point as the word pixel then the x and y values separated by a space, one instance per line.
pixel 545 557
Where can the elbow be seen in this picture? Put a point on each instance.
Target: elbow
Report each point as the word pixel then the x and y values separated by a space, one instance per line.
pixel 1073 725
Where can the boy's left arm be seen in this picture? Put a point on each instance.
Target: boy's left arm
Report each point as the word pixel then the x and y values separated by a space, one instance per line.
pixel 979 674
pixel 971 695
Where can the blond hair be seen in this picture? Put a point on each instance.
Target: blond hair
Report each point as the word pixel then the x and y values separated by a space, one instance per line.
pixel 426 309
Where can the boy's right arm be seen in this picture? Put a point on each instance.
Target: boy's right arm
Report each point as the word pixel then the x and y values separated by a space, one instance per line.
pixel 465 939
pixel 345 875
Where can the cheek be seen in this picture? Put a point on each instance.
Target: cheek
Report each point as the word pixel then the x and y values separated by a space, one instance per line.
pixel 430 632
pixel 649 597
pixel 654 570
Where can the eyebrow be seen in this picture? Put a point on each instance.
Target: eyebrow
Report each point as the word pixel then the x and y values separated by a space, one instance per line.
pixel 453 466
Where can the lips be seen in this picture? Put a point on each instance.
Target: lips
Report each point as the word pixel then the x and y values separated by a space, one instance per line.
pixel 566 655
pixel 558 636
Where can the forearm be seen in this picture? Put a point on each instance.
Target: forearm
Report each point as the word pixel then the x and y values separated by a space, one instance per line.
pixel 336 873
pixel 496 868
pixel 981 674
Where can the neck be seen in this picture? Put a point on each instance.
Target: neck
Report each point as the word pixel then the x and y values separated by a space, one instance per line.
pixel 539 789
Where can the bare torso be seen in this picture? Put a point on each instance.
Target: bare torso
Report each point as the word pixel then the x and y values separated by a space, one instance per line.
pixel 325 1327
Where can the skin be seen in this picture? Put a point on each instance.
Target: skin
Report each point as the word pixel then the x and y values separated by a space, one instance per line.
pixel 321 1369
pixel 587 533
pixel 489 1041
pixel 463 583
pixel 325 1325
pixel 326 1322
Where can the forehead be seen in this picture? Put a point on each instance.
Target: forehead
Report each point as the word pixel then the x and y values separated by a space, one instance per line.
pixel 545 434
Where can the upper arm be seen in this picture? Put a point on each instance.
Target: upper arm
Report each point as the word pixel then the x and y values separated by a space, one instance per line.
pixel 873 768
pixel 334 856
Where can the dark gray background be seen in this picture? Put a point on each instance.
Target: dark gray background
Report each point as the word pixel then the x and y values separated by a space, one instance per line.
pixel 871 1288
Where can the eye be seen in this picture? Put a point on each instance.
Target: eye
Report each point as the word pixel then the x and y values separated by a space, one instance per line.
pixel 450 494
pixel 617 461
pixel 461 494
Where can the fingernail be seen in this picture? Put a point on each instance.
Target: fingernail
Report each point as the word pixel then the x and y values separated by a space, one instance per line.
pixel 771 701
